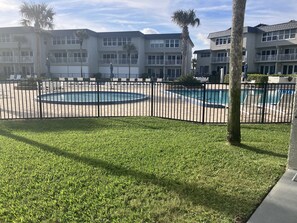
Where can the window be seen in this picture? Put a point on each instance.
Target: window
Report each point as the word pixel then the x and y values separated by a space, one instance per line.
pixel 59 40
pixel 116 41
pixel 5 38
pixel 205 55
pixel 157 43
pixel 72 40
pixel 109 58
pixel 279 35
pixel 26 53
pixel 172 43
pixel 223 40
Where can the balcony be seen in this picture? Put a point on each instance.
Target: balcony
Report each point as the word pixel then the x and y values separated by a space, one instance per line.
pixel 276 57
pixel 220 59
pixel 173 62
pixel 117 62
pixel 155 62
pixel 16 59
pixel 65 60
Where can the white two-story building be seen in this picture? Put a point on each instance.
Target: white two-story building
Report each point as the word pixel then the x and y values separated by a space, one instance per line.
pixel 267 49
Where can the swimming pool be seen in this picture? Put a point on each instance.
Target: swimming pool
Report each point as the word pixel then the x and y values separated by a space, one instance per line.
pixel 219 98
pixel 91 97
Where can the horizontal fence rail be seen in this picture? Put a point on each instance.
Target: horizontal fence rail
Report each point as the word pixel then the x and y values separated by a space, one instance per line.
pixel 202 103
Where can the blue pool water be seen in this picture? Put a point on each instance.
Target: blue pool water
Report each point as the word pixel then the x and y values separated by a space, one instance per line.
pixel 91 97
pixel 219 98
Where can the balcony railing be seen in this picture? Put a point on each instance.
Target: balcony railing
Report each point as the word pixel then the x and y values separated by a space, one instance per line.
pixel 118 62
pixel 276 57
pixel 173 62
pixel 16 59
pixel 59 60
pixel 220 59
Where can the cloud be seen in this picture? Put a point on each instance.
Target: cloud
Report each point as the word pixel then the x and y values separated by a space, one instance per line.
pixel 149 31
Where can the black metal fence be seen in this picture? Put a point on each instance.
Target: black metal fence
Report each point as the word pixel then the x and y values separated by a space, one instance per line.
pixel 202 103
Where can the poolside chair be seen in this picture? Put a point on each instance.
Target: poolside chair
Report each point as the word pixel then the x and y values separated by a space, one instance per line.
pixel 159 79
pixel 11 77
pixel 139 79
pixel 251 104
pixel 61 78
pixel 148 79
pixel 18 77
pixel 28 76
pixel 284 105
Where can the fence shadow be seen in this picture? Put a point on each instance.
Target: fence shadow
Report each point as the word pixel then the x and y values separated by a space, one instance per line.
pixel 197 194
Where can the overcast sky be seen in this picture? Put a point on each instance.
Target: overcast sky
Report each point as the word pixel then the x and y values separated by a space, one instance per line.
pixel 153 16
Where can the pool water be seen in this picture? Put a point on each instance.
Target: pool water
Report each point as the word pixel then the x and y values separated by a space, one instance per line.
pixel 91 97
pixel 220 97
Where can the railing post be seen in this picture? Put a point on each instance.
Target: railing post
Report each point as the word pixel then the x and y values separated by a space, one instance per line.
pixel 40 103
pixel 152 98
pixel 264 102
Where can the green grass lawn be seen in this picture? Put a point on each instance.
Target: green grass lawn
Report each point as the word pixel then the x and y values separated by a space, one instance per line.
pixel 135 170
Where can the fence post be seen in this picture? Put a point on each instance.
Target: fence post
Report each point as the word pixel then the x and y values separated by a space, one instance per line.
pixel 98 97
pixel 40 103
pixel 203 108
pixel 264 102
pixel 152 98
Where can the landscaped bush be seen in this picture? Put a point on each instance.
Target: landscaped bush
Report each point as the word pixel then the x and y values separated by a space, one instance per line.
pixel 188 80
pixel 258 78
pixel 30 84
pixel 226 78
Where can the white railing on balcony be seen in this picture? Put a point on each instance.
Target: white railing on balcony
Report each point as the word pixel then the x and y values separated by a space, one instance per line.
pixel 118 62
pixel 271 58
pixel 173 62
pixel 16 59
pixel 220 59
pixel 276 57
pixel 155 62
pixel 59 60
pixel 290 57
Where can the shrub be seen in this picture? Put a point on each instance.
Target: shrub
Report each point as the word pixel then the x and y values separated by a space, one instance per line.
pixel 226 78
pixel 258 78
pixel 188 80
pixel 97 75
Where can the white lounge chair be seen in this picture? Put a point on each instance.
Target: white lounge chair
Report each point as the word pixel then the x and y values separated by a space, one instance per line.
pixel 18 77
pixel 11 77
pixel 251 104
pixel 284 105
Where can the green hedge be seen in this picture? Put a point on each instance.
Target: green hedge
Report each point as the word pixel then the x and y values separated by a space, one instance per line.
pixel 187 80
pixel 258 78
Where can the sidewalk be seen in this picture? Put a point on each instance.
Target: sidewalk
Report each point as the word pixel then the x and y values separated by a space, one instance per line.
pixel 280 205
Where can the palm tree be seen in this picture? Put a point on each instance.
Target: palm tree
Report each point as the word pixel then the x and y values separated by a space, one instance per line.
pixel 129 48
pixel 234 135
pixel 42 17
pixel 20 40
pixel 183 19
pixel 81 35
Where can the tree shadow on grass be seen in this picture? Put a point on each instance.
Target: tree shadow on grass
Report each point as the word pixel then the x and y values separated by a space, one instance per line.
pixel 261 151
pixel 82 124
pixel 197 194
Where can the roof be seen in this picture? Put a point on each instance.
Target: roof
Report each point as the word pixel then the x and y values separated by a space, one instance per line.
pixel 258 28
pixel 246 29
pixel 202 51
pixel 64 32
pixel 282 26
pixel 17 30
pixel 117 34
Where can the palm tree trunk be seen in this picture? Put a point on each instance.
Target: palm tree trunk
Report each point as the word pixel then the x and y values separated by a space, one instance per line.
pixel 185 36
pixel 233 126
pixel 129 65
pixel 37 67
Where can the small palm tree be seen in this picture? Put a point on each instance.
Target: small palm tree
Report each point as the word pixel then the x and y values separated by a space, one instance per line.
pixel 81 35
pixel 183 19
pixel 20 40
pixel 129 48
pixel 42 17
